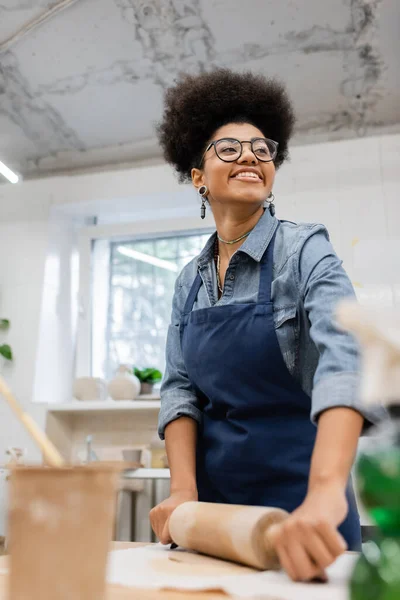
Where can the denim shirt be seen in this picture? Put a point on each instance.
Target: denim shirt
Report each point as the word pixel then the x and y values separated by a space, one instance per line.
pixel 308 282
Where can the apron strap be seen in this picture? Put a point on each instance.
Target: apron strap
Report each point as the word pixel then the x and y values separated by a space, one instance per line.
pixel 192 295
pixel 264 291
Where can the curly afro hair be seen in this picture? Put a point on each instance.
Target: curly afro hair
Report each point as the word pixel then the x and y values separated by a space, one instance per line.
pixel 198 105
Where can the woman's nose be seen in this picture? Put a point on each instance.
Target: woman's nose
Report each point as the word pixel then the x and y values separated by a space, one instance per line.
pixel 247 155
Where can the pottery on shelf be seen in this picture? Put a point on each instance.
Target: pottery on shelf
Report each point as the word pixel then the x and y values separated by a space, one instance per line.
pixel 158 452
pixel 132 454
pixel 124 386
pixel 89 388
pixel 146 388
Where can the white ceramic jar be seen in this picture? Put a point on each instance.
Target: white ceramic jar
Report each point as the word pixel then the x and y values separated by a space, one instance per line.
pixel 125 385
pixel 89 388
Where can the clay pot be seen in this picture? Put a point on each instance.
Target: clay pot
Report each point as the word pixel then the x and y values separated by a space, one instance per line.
pixel 146 388
pixel 69 514
pixel 124 386
pixel 158 453
pixel 89 388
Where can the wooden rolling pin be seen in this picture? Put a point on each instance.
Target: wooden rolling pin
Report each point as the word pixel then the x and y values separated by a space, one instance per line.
pixel 227 531
pixel 50 453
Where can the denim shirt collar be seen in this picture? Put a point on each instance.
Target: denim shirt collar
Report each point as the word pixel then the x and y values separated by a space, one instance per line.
pixel 254 245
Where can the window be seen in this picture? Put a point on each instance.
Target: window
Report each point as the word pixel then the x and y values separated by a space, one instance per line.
pixel 132 290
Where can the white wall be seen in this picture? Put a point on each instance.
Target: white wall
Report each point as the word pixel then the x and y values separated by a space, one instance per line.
pixel 22 254
pixel 59 312
pixel 353 187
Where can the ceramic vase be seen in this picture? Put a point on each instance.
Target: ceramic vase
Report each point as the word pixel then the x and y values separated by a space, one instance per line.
pixel 89 388
pixel 125 385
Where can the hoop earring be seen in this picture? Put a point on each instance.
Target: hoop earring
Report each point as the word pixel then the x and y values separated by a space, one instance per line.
pixel 203 193
pixel 270 204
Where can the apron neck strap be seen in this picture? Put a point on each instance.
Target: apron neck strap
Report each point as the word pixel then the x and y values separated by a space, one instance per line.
pixel 192 295
pixel 264 291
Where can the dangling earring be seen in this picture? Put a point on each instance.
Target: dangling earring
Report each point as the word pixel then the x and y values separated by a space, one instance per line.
pixel 270 204
pixel 203 193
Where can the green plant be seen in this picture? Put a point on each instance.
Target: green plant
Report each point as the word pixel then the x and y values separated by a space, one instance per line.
pixel 148 375
pixel 5 349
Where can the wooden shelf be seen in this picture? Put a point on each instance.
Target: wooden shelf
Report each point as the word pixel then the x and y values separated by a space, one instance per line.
pixel 146 474
pixel 114 424
pixel 149 402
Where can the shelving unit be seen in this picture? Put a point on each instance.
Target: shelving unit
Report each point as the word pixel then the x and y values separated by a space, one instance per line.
pixel 110 406
pixel 112 423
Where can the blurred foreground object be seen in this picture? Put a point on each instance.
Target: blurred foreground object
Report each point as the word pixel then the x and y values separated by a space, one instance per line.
pixel 377 573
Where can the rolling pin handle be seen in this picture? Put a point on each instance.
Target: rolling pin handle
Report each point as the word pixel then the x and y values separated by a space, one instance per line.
pixel 269 546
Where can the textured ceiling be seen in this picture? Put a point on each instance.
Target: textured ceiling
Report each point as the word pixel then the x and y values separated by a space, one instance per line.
pixel 84 88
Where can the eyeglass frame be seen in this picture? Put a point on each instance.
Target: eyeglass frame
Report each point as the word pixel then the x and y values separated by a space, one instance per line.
pixel 241 149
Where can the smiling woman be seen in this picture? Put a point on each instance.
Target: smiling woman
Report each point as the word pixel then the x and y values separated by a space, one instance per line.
pixel 230 173
pixel 212 124
pixel 197 107
pixel 259 402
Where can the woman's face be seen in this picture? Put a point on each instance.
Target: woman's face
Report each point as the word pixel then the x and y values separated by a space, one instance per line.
pixel 227 181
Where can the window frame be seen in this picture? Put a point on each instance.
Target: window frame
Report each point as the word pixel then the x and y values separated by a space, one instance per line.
pixel 137 230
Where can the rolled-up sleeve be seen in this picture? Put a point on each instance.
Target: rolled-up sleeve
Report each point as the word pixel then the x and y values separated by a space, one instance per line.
pixel 323 283
pixel 178 398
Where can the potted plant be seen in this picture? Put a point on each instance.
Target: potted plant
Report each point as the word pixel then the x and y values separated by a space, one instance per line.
pixel 5 350
pixel 147 377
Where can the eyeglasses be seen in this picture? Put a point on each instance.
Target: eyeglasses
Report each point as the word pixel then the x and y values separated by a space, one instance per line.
pixel 230 149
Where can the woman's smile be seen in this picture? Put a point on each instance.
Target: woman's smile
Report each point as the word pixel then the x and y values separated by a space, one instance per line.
pixel 248 177
pixel 247 174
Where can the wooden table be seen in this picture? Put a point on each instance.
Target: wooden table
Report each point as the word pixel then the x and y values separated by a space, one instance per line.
pixel 116 592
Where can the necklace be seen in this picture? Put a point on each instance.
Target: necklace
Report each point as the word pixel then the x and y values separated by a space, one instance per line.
pixel 218 276
pixel 216 253
pixel 217 264
pixel 237 239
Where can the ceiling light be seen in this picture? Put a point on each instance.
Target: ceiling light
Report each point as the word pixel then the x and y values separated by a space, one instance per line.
pixel 8 174
pixel 152 260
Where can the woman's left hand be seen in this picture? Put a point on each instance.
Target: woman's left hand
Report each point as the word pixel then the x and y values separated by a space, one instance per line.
pixel 308 541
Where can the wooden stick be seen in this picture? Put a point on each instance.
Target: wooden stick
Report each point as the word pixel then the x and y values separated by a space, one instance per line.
pixel 50 453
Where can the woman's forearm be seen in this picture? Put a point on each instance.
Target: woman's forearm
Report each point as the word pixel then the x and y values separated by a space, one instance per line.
pixel 180 442
pixel 335 446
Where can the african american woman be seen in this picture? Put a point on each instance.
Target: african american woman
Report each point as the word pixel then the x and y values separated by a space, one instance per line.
pixel 259 402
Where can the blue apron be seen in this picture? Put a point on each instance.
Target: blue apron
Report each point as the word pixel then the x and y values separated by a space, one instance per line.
pixel 257 439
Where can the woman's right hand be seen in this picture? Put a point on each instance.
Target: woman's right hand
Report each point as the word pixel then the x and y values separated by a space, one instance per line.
pixel 160 514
